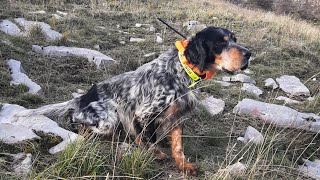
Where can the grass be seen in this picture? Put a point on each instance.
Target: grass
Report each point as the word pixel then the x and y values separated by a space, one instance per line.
pixel 280 45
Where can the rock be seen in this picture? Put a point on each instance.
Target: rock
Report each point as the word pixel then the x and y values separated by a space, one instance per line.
pixel 194 25
pixel 92 55
pixel 252 89
pixel 37 12
pixel 240 78
pixel 50 34
pixel 56 16
pixel 140 25
pixel 136 40
pixel 213 106
pixel 271 83
pixel 19 77
pixel 122 42
pixel 234 169
pixel 247 71
pixel 151 29
pixel 311 168
pixel 12 134
pixel 280 116
pixel 61 13
pixel 292 85
pixel 252 135
pixel 97 47
pixel 288 100
pixel 15 129
pixel 159 39
pixel 10 28
pixel 22 163
pixel 149 54
pixel 222 83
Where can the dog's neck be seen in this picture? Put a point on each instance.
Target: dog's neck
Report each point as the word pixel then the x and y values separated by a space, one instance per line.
pixel 182 75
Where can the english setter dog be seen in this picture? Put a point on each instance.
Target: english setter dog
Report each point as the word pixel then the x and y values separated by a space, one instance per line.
pixel 157 94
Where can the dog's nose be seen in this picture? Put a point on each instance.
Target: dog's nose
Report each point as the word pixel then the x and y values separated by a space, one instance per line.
pixel 247 55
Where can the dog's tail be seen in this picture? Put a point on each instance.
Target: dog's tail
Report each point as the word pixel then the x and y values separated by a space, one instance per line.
pixel 51 109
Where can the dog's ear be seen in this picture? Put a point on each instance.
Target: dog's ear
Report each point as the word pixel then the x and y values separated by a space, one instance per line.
pixel 197 53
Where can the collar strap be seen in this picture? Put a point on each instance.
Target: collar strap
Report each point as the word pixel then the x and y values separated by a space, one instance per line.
pixel 190 69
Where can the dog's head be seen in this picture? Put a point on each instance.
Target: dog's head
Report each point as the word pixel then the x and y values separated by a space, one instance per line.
pixel 214 49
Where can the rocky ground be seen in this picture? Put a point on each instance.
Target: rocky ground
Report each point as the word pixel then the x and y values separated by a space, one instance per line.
pixel 261 123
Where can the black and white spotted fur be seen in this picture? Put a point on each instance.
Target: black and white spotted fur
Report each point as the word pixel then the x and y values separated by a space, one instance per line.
pixel 138 99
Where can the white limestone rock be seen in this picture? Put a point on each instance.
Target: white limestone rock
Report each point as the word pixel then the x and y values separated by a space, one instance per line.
pixel 38 12
pixel 12 134
pixel 57 17
pixel 251 89
pixel 311 168
pixel 50 34
pixel 92 55
pixel 252 136
pixel 61 13
pixel 247 71
pixel 19 77
pixel 213 106
pixel 151 29
pixel 234 169
pixel 194 25
pixel 292 85
pixel 159 39
pixel 271 83
pixel 288 100
pixel 149 54
pixel 136 40
pixel 280 116
pixel 10 28
pixel 223 83
pixel 239 78
pixel 15 129
pixel 22 163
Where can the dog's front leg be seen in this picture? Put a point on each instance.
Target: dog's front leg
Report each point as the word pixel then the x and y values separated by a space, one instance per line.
pixel 177 152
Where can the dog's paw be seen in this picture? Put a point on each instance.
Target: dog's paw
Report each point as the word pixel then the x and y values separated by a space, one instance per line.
pixel 190 168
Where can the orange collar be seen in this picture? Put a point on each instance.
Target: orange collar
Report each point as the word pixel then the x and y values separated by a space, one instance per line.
pixel 181 46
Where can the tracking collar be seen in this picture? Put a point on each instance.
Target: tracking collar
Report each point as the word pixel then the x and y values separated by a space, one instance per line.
pixel 191 69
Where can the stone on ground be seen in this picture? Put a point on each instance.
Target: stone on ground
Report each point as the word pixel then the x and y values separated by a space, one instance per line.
pixel 92 55
pixel 271 83
pixel 15 129
pixel 235 169
pixel 19 77
pixel 50 34
pixel 251 89
pixel 311 168
pixel 239 78
pixel 136 39
pixel 213 106
pixel 252 136
pixel 10 28
pixel 280 116
pixel 288 100
pixel 292 85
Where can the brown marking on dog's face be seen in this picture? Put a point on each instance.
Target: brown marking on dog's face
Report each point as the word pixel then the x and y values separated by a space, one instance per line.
pixel 231 59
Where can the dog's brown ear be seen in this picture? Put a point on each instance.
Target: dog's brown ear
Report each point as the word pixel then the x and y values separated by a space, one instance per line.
pixel 196 53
